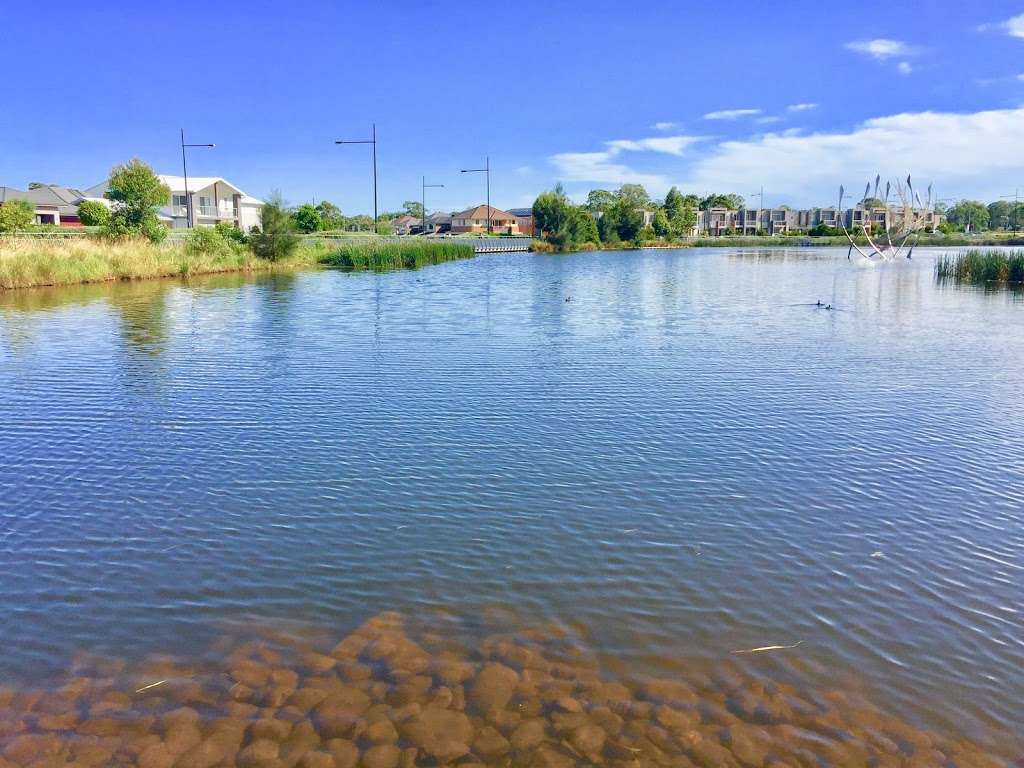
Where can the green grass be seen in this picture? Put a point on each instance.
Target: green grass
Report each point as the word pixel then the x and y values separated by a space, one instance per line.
pixel 26 263
pixel 982 267
pixel 392 255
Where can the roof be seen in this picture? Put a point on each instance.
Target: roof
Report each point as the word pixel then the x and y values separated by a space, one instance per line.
pixel 521 212
pixel 480 212
pixel 177 185
pixel 439 216
pixel 406 219
pixel 10 193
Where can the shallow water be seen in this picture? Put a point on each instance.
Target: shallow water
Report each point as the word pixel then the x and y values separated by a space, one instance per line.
pixel 686 459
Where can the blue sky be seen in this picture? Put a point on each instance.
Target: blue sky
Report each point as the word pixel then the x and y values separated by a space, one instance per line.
pixel 708 97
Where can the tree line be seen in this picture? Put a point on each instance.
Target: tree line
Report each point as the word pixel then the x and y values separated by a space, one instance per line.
pixel 613 217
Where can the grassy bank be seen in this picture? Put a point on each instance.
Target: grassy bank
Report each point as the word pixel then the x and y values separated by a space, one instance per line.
pixel 982 267
pixel 26 263
pixel 391 255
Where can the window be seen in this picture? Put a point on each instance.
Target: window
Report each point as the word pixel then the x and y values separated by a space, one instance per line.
pixel 778 217
pixel 178 200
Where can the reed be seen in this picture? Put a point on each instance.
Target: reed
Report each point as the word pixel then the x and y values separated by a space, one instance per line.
pixel 981 267
pixel 27 263
pixel 386 255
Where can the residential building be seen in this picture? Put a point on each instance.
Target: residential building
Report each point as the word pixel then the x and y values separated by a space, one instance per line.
pixel 438 223
pixel 476 220
pixel 405 224
pixel 524 218
pixel 777 221
pixel 212 199
pixel 54 204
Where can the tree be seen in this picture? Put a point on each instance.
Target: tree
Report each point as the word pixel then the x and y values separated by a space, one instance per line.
pixel 660 224
pixel 679 212
pixel 16 214
pixel 634 194
pixel 276 238
pixel 551 213
pixel 137 193
pixel 629 220
pixel 307 219
pixel 330 215
pixel 736 201
pixel 36 185
pixel 870 202
pixel 970 214
pixel 93 213
pixel 413 208
pixel 362 222
pixel 599 200
pixel 583 227
pixel 715 201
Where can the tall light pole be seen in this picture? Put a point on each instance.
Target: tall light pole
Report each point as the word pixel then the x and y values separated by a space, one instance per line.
pixel 1014 196
pixel 760 205
pixel 486 170
pixel 423 202
pixel 184 171
pixel 372 141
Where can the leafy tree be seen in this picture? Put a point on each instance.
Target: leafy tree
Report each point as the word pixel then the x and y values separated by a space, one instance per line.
pixel 330 215
pixel 599 200
pixel 822 230
pixel 16 214
pixel 634 194
pixel 137 193
pixel 583 227
pixel 661 225
pixel 736 201
pixel 228 230
pixel 679 212
pixel 629 220
pixel 871 202
pixel 968 213
pixel 551 213
pixel 307 219
pixel 276 237
pixel 36 185
pixel 715 201
pixel 93 213
pixel 413 208
pixel 362 222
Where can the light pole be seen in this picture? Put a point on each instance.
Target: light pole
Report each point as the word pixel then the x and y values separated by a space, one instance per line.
pixel 423 202
pixel 486 170
pixel 1014 196
pixel 372 141
pixel 184 171
pixel 760 205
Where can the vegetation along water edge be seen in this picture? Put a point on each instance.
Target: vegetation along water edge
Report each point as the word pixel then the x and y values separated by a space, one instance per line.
pixel 982 267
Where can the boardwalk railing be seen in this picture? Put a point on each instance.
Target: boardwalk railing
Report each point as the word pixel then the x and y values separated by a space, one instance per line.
pixel 480 244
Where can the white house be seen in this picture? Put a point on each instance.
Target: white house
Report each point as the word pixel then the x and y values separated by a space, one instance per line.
pixel 212 199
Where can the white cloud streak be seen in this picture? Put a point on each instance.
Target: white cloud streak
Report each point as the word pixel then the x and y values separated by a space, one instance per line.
pixel 665 126
pixel 599 167
pixel 978 150
pixel 731 114
pixel 904 68
pixel 881 48
pixel 670 145
pixel 800 107
pixel 1014 27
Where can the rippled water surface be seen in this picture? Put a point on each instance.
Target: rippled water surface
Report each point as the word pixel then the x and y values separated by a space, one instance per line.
pixel 671 455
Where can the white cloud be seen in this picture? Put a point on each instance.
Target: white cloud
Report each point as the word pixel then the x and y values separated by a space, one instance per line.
pixel 769 119
pixel 731 114
pixel 974 153
pixel 881 48
pixel 671 145
pixel 1021 78
pixel 599 167
pixel 523 170
pixel 800 107
pixel 904 68
pixel 665 126
pixel 1015 26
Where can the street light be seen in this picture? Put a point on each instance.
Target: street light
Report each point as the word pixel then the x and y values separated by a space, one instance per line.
pixel 1014 196
pixel 372 141
pixel 423 217
pixel 184 171
pixel 486 170
pixel 760 205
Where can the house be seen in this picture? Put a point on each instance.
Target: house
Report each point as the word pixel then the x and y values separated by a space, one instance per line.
pixel 524 218
pixel 212 199
pixel 405 224
pixel 54 204
pixel 476 220
pixel 438 223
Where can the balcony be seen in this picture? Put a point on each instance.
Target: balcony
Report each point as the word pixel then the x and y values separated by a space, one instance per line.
pixel 209 212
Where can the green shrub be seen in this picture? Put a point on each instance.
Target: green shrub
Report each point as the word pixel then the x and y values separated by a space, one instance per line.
pixel 276 238
pixel 230 231
pixel 16 215
pixel 93 213
pixel 542 246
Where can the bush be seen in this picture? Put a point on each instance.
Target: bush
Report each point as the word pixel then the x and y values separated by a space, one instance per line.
pixel 276 238
pixel 307 219
pixel 93 213
pixel 542 246
pixel 229 231
pixel 16 215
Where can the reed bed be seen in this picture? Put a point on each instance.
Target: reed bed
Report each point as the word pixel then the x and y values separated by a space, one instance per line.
pixel 982 267
pixel 391 255
pixel 28 263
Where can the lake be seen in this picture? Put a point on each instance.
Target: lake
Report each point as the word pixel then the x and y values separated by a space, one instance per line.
pixel 604 472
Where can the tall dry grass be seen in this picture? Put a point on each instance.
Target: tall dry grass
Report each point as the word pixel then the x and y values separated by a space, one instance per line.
pixel 26 263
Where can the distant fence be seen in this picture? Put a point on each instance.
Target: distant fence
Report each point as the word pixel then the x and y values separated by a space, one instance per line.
pixel 480 244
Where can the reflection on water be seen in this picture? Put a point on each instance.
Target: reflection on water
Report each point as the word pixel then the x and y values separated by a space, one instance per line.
pixel 688 457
